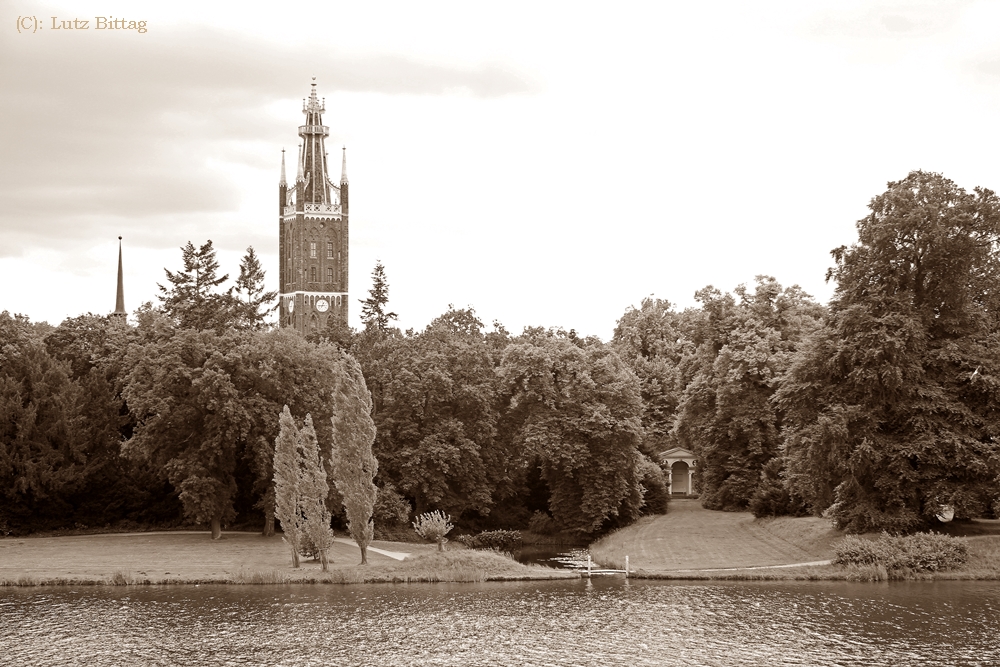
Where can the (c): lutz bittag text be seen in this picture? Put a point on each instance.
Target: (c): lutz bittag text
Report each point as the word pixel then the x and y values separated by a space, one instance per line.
pixel 33 24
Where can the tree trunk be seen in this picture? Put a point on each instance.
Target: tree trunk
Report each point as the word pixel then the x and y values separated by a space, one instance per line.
pixel 440 545
pixel 295 555
pixel 268 523
pixel 216 527
pixel 324 563
pixel 364 555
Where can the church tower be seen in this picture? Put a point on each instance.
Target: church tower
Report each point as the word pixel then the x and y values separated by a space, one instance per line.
pixel 312 226
pixel 120 317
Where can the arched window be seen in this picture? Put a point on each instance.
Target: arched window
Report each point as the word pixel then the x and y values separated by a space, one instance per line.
pixel 329 250
pixel 312 274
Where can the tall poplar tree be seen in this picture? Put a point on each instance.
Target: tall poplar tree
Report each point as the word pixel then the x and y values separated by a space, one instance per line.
pixel 288 483
pixel 373 311
pixel 354 465
pixel 313 492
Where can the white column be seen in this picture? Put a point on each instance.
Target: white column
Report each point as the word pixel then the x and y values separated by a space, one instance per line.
pixel 690 479
pixel 670 478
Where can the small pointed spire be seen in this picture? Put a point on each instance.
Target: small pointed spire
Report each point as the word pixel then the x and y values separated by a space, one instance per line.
pixel 282 181
pixel 120 296
pixel 343 167
pixel 299 177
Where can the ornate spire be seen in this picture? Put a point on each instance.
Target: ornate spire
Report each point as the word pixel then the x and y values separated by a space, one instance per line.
pixel 120 296
pixel 343 167
pixel 313 162
pixel 298 176
pixel 282 181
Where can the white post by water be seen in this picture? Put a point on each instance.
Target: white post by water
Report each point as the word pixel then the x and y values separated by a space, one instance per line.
pixel 588 566
pixel 626 567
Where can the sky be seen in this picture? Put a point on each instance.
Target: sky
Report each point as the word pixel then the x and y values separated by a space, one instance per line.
pixel 548 164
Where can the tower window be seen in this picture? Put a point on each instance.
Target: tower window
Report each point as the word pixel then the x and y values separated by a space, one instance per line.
pixel 329 275
pixel 312 248
pixel 312 274
pixel 329 250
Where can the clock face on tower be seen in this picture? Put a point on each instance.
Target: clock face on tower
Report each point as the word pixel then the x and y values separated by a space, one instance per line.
pixel 291 305
pixel 322 305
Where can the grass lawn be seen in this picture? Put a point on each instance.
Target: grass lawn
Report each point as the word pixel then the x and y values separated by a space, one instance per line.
pixel 690 537
pixel 691 542
pixel 187 557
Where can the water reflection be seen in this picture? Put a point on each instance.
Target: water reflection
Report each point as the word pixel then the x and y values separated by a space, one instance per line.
pixel 597 622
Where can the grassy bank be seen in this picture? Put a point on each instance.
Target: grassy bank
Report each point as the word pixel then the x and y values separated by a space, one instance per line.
pixel 692 543
pixel 238 558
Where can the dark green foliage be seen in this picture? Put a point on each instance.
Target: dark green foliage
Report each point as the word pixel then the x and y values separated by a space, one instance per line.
pixel 920 552
pixel 542 523
pixel 655 498
pixel 576 407
pixel 726 415
pixel 391 509
pixel 253 300
pixel 892 410
pixel 504 541
pixel 436 415
pixel 772 497
pixel 373 312
pixel 192 300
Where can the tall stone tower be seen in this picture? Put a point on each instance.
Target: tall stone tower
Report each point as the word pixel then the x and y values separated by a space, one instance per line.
pixel 312 223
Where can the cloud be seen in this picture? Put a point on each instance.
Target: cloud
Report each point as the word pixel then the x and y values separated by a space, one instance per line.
pixel 889 19
pixel 99 127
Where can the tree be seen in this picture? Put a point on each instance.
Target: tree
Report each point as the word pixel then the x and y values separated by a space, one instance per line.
pixel 313 493
pixel 577 409
pixel 354 465
pixel 433 526
pixel 251 294
pixel 373 312
pixel 287 483
pixel 192 421
pixel 42 448
pixel 725 414
pixel 192 300
pixel 895 405
pixel 436 423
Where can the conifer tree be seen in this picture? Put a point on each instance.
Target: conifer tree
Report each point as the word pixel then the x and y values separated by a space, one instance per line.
pixel 250 292
pixel 192 299
pixel 287 483
pixel 373 312
pixel 314 490
pixel 354 464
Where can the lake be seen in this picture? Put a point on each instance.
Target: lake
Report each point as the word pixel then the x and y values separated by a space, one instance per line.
pixel 604 621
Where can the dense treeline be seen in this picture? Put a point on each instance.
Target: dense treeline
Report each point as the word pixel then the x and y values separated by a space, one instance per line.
pixel 877 410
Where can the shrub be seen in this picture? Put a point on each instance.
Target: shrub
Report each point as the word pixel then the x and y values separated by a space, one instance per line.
pixel 655 497
pixel 502 541
pixel 542 524
pixel 391 509
pixel 433 526
pixel 921 552
pixel 771 498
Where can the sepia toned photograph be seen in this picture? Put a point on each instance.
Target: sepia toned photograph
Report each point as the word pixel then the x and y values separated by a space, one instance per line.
pixel 523 333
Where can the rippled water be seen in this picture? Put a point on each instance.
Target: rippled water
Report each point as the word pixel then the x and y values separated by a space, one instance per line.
pixel 603 622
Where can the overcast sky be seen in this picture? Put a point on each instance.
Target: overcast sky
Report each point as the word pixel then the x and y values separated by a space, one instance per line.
pixel 546 163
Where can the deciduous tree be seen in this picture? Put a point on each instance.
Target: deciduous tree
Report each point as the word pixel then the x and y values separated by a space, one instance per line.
pixel 895 406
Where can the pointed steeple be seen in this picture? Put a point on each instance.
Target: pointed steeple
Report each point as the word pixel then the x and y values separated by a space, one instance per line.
pixel 120 313
pixel 282 181
pixel 298 176
pixel 343 167
pixel 313 161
